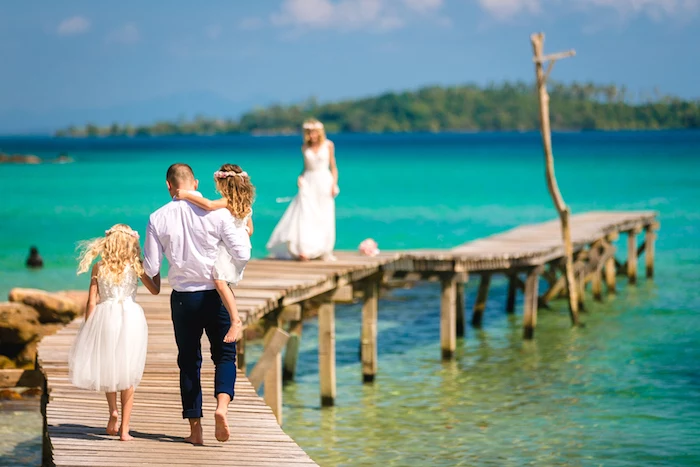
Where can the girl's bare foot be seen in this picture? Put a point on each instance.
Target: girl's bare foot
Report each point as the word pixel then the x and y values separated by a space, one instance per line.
pixel 303 258
pixel 222 431
pixel 112 424
pixel 234 330
pixel 126 437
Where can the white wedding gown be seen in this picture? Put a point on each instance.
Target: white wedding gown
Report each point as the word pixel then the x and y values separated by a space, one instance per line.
pixel 308 225
pixel 109 352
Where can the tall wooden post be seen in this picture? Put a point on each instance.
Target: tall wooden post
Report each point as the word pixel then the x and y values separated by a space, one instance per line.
pixel 597 282
pixel 291 355
pixel 370 302
pixel 326 353
pixel 649 238
pixel 480 303
pixel 563 210
pixel 448 316
pixel 240 352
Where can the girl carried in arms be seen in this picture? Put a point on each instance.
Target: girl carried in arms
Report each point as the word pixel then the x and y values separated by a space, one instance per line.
pixel 237 193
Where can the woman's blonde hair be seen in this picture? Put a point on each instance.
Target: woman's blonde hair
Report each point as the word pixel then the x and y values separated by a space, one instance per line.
pixel 118 250
pixel 234 184
pixel 311 124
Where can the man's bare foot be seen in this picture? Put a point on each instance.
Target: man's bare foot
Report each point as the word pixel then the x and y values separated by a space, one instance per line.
pixel 196 438
pixel 222 431
pixel 112 424
pixel 234 330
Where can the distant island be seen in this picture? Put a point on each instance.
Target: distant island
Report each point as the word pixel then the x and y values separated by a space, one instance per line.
pixel 509 106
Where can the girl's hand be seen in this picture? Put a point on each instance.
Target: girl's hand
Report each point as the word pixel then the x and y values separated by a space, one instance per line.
pixel 300 181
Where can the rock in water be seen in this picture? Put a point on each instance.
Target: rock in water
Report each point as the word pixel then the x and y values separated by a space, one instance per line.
pixel 52 307
pixel 19 324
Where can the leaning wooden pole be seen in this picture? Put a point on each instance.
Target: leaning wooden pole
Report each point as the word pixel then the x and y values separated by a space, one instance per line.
pixel 563 210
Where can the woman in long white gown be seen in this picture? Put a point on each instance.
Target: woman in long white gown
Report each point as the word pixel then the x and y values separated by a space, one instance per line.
pixel 307 228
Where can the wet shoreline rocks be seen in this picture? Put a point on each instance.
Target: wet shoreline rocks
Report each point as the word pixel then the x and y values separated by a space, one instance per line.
pixel 29 315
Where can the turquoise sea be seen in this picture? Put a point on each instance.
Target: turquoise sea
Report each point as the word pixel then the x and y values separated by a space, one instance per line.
pixel 622 391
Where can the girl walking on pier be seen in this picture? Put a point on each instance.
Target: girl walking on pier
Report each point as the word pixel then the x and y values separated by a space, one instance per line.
pixel 109 352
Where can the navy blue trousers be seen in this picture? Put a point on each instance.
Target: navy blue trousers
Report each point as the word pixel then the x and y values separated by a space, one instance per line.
pixel 194 313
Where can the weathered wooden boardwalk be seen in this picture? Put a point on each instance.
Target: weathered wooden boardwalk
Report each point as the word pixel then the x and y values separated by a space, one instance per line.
pixel 280 294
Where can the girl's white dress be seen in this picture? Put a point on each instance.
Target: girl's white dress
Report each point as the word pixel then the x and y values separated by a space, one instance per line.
pixel 308 225
pixel 225 268
pixel 109 352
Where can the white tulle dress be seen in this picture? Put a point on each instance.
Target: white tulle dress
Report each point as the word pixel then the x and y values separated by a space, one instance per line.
pixel 307 227
pixel 109 352
pixel 225 268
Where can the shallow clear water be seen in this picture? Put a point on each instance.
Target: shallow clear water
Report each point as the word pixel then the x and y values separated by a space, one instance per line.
pixel 621 391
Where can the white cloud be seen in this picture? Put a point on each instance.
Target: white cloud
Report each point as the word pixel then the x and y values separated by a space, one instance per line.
pixel 126 34
pixel 655 9
pixel 378 15
pixel 73 26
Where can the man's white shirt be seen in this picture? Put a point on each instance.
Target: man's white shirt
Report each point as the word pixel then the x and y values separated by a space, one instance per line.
pixel 190 237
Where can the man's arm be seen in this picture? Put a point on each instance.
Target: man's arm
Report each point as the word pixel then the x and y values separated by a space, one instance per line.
pixel 236 241
pixel 152 252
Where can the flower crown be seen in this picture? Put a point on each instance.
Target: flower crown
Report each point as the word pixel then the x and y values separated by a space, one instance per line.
pixel 313 126
pixel 131 232
pixel 220 174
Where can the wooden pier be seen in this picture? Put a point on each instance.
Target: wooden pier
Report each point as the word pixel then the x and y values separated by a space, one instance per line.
pixel 281 294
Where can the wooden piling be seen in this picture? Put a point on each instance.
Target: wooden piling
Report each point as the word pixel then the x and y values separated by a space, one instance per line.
pixel 460 309
pixel 611 267
pixel 273 378
pixel 240 352
pixel 291 355
pixel 649 239
pixel 448 315
pixel 597 280
pixel 632 256
pixel 370 302
pixel 531 302
pixel 481 297
pixel 512 291
pixel 326 353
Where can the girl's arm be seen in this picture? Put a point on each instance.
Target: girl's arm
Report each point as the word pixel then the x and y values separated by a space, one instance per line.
pixel 152 284
pixel 204 203
pixel 92 292
pixel 303 168
pixel 333 166
pixel 249 226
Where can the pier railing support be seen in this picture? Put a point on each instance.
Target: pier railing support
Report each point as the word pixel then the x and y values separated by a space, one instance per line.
pixel 326 353
pixel 268 369
pixel 531 302
pixel 481 297
pixel 448 315
pixel 370 303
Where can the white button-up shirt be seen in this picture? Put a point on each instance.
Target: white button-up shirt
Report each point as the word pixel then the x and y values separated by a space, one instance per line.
pixel 189 237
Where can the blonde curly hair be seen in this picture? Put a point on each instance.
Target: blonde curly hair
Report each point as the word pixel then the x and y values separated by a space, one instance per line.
pixel 311 124
pixel 118 250
pixel 237 189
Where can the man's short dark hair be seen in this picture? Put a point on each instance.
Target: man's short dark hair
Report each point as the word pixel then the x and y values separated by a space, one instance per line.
pixel 179 173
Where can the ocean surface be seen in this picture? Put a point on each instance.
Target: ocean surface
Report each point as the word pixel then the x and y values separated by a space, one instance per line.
pixel 622 391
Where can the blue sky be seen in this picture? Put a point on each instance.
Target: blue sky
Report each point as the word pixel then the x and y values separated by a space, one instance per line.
pixel 78 60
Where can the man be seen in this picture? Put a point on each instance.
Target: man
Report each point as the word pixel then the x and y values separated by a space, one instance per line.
pixel 189 238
